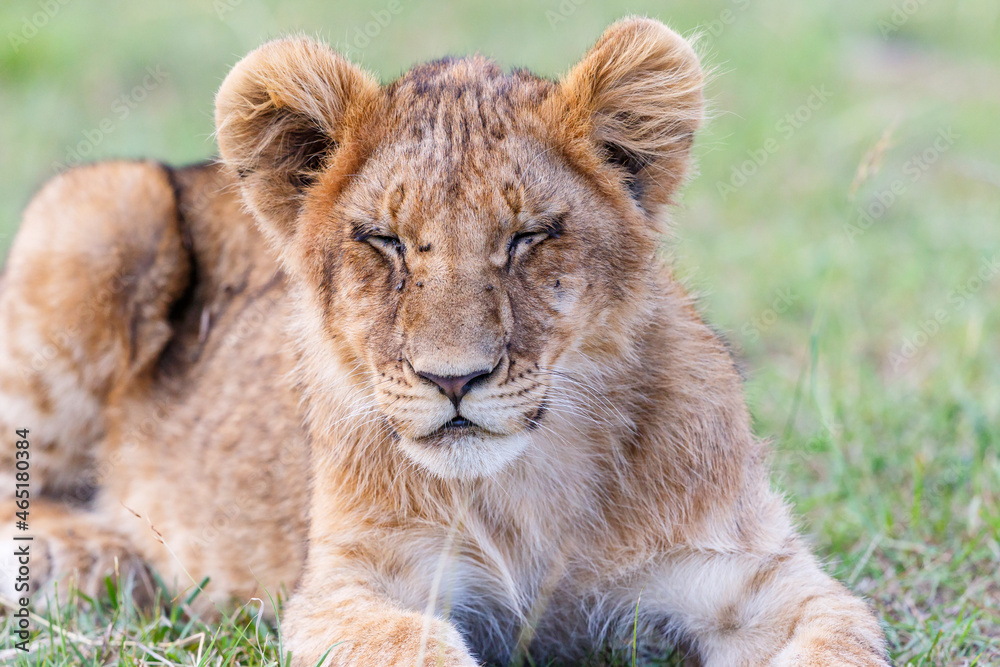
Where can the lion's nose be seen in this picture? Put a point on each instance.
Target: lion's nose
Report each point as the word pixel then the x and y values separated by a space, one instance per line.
pixel 456 386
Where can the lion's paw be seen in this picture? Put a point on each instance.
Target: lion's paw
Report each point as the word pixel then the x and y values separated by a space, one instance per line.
pixel 399 640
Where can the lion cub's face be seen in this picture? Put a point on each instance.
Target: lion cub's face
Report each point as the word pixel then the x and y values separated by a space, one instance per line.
pixel 462 234
pixel 466 257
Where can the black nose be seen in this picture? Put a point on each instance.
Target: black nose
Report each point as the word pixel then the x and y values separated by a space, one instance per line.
pixel 455 386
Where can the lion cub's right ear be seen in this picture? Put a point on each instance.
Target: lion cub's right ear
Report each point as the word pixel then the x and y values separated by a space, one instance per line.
pixel 280 115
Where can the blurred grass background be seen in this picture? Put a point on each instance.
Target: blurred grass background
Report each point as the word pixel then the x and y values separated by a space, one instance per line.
pixel 843 231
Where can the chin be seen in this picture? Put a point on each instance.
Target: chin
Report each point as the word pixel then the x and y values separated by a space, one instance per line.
pixel 465 453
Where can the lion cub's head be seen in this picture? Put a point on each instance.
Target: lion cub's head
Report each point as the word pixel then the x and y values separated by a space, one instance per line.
pixel 467 241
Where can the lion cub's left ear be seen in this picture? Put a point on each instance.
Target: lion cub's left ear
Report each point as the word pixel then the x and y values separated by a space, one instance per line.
pixel 280 115
pixel 634 103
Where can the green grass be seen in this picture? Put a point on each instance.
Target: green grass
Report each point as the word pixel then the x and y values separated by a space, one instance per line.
pixel 870 348
pixel 112 630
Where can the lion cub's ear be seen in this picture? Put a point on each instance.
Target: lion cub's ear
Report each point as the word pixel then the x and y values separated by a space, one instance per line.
pixel 637 98
pixel 280 115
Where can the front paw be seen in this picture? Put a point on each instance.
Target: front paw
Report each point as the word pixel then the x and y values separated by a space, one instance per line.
pixel 399 640
pixel 818 647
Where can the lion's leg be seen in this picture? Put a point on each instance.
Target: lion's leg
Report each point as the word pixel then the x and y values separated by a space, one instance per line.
pixel 69 549
pixel 338 613
pixel 84 303
pixel 760 606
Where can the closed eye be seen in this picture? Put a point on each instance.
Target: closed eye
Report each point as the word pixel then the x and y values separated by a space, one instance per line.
pixel 524 241
pixel 385 243
pixel 388 243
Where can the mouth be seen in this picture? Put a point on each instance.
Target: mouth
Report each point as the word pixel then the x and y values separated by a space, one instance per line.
pixel 462 448
pixel 456 427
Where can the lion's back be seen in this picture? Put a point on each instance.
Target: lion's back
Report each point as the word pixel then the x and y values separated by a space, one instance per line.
pixel 211 448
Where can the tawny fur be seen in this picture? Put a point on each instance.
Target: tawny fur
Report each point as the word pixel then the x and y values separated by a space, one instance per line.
pixel 253 394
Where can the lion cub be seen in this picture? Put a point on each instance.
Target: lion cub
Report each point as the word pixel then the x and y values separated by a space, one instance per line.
pixel 411 350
